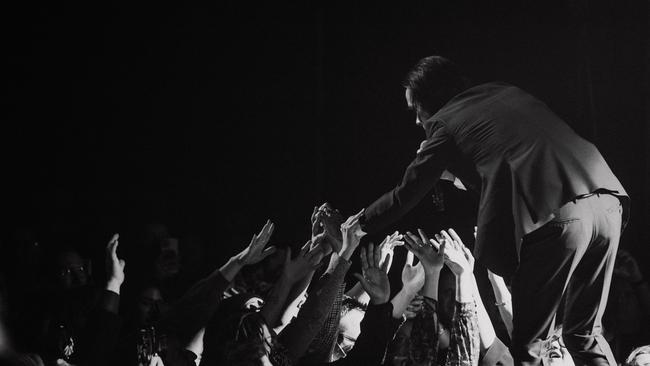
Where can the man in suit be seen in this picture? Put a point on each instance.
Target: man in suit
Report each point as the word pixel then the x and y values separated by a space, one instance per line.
pixel 550 212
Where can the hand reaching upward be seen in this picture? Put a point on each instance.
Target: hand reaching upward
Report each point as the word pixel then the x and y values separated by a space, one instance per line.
pixel 375 277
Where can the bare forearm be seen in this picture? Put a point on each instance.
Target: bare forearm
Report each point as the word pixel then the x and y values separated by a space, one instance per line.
pixel 430 288
pixel 401 301
pixel 276 301
pixel 230 269
pixel 503 301
pixel 485 327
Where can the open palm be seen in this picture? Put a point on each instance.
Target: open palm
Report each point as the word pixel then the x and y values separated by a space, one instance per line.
pixel 375 277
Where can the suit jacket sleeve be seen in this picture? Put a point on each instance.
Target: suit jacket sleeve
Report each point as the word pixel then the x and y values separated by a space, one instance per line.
pixel 419 178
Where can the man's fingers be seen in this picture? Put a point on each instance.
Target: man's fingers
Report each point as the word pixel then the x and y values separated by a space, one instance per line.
pixel 455 236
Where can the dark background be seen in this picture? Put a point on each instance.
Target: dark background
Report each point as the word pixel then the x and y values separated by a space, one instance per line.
pixel 212 119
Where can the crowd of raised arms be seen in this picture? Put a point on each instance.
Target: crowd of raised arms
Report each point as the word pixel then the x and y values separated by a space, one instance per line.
pixel 284 305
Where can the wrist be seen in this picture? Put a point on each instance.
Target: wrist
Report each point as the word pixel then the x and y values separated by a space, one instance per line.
pixel 346 253
pixel 231 268
pixel 379 301
pixel 432 271
pixel 114 285
pixel 410 290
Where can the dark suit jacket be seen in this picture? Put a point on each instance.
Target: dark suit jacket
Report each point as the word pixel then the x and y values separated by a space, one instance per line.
pixel 524 160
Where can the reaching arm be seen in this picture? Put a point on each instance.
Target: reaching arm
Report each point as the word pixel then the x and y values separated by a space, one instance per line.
pixel 412 281
pixel 465 338
pixel 486 329
pixel 196 306
pixel 293 271
pixel 503 299
pixel 419 178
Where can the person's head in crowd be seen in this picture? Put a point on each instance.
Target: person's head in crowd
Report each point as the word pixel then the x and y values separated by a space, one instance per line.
pixel 352 313
pixel 640 356
pixel 446 297
pixel 430 84
pixel 167 263
pixel 237 334
pixel 72 269
pixel 150 304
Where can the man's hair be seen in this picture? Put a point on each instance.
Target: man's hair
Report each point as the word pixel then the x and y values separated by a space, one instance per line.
pixel 433 81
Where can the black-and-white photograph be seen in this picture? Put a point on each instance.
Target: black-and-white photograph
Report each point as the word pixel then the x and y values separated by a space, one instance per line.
pixel 441 183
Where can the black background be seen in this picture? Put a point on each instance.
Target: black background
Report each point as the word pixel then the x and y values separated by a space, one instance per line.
pixel 211 119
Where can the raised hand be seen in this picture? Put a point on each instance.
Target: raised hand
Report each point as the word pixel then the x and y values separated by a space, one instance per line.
pixel 114 265
pixel 412 276
pixel 255 251
pixel 352 234
pixel 457 257
pixel 306 261
pixel 388 246
pixel 331 220
pixel 375 278
pixel 429 252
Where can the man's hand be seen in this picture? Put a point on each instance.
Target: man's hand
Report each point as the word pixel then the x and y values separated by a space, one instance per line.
pixel 114 266
pixel 375 278
pixel 307 260
pixel 429 252
pixel 412 276
pixel 352 234
pixel 255 251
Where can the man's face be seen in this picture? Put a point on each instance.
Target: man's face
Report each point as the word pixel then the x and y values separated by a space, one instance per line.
pixel 73 270
pixel 553 355
pixel 349 330
pixel 150 305
pixel 421 116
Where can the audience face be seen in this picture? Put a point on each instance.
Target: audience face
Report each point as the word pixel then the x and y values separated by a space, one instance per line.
pixel 73 270
pixel 349 330
pixel 553 354
pixel 446 297
pixel 167 263
pixel 150 305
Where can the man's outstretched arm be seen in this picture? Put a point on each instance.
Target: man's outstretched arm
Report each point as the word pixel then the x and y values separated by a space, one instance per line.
pixel 419 178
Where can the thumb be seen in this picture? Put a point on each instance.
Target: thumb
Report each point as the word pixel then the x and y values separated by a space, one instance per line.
pixel 122 263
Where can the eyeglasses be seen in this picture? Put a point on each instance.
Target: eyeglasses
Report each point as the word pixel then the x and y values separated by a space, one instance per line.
pixel 79 270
